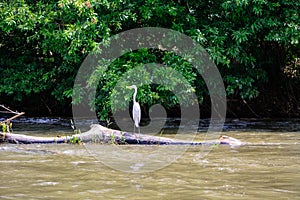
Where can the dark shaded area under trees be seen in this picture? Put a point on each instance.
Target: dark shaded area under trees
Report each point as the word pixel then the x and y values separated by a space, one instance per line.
pixel 255 45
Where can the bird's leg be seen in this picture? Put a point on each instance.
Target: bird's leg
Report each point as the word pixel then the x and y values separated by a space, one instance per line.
pixel 138 137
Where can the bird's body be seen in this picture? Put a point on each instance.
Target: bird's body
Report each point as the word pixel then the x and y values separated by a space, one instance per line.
pixel 136 114
pixel 136 109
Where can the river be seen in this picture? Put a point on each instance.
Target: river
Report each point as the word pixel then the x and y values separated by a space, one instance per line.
pixel 268 167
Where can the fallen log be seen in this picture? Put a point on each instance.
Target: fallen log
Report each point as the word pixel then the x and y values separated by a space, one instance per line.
pixel 103 135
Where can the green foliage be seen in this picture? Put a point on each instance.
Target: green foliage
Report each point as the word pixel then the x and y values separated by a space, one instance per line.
pixel 4 127
pixel 43 43
pixel 75 140
pixel 112 139
pixel 155 83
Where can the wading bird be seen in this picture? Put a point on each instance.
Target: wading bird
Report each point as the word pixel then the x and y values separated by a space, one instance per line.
pixel 136 109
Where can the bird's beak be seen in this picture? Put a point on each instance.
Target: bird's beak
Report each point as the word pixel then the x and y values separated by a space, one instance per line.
pixel 128 87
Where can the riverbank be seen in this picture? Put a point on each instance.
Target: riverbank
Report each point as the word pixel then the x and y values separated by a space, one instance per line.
pixel 280 100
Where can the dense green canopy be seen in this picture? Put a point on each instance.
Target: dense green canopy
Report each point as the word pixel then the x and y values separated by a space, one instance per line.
pixel 43 43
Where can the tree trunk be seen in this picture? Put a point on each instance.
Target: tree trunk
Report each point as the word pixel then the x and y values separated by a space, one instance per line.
pixel 100 134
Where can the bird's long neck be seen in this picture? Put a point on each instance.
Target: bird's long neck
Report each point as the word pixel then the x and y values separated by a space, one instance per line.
pixel 134 95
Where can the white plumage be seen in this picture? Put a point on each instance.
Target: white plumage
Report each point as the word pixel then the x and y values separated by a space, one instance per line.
pixel 136 109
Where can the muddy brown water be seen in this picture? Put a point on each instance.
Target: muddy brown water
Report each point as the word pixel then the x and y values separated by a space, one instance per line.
pixel 268 167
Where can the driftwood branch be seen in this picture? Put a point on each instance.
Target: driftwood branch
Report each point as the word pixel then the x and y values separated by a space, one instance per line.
pixel 100 134
pixel 13 117
pixel 7 121
pixel 8 110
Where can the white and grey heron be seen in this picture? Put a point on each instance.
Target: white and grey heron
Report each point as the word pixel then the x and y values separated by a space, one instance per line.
pixel 136 109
